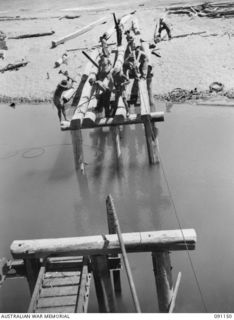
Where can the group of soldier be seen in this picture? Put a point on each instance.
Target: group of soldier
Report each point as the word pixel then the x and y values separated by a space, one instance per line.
pixel 136 65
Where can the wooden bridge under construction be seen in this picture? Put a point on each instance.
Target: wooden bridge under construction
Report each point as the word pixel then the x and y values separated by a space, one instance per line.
pixel 59 271
pixel 83 98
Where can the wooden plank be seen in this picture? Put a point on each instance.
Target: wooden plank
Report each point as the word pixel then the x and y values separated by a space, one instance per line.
pixel 65 264
pixel 61 274
pixel 83 293
pixel 145 107
pixel 59 282
pixel 175 291
pixel 65 309
pixel 89 245
pixel 35 295
pixel 79 32
pixel 58 291
pixel 57 301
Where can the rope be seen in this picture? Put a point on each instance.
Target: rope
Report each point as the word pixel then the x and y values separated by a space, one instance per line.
pixel 180 226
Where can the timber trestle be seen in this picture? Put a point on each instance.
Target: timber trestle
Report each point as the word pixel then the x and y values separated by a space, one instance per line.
pixel 61 286
pixel 59 271
pixel 96 95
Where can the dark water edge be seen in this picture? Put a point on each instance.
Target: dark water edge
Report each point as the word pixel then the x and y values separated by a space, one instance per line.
pixel 41 196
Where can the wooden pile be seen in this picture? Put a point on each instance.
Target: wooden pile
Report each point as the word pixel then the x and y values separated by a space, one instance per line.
pixel 211 10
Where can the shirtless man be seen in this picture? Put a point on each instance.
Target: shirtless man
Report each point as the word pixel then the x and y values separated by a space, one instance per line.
pixel 120 81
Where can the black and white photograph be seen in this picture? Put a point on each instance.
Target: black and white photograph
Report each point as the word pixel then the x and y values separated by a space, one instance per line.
pixel 116 158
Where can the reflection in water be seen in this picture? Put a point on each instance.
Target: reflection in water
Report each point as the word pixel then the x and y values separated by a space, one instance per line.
pixel 169 106
pixel 43 196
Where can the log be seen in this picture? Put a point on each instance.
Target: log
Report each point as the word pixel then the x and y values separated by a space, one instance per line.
pixel 163 278
pixel 91 245
pixel 87 91
pixel 77 145
pixel 103 284
pixel 90 115
pixel 76 124
pixel 188 34
pixel 91 48
pixel 175 291
pixel 109 122
pixel 33 35
pixel 84 289
pixel 124 255
pixel 14 66
pixel 120 113
pixel 79 32
pixel 112 230
pixel 69 17
pixel 149 132
pixel 90 59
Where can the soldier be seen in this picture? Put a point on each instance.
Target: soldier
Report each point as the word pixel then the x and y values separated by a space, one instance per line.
pixel 105 50
pixel 104 69
pixel 142 62
pixel 120 81
pixel 162 25
pixel 57 99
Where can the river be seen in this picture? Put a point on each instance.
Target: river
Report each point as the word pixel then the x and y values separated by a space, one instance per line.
pixel 41 196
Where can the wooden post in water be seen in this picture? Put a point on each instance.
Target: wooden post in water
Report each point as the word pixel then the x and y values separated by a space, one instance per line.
pixel 145 114
pixel 103 284
pixel 77 144
pixel 124 255
pixel 163 278
pixel 116 141
pixel 112 230
pixel 32 267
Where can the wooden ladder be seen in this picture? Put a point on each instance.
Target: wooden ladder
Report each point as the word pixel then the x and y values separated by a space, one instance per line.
pixel 62 286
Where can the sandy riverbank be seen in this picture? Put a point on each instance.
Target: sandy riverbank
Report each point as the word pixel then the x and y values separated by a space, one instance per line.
pixel 189 62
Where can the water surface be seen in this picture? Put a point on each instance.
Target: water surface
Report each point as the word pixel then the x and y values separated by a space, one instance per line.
pixel 41 196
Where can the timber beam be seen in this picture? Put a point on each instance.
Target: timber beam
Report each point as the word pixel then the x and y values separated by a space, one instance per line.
pixel 11 269
pixel 150 241
pixel 111 122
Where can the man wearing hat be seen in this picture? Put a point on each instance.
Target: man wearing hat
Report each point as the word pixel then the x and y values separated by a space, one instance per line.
pixel 57 99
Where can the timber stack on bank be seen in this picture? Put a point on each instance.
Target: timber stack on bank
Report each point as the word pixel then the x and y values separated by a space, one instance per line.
pixel 59 271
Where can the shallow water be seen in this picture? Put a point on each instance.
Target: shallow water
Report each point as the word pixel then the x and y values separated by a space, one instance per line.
pixel 41 196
